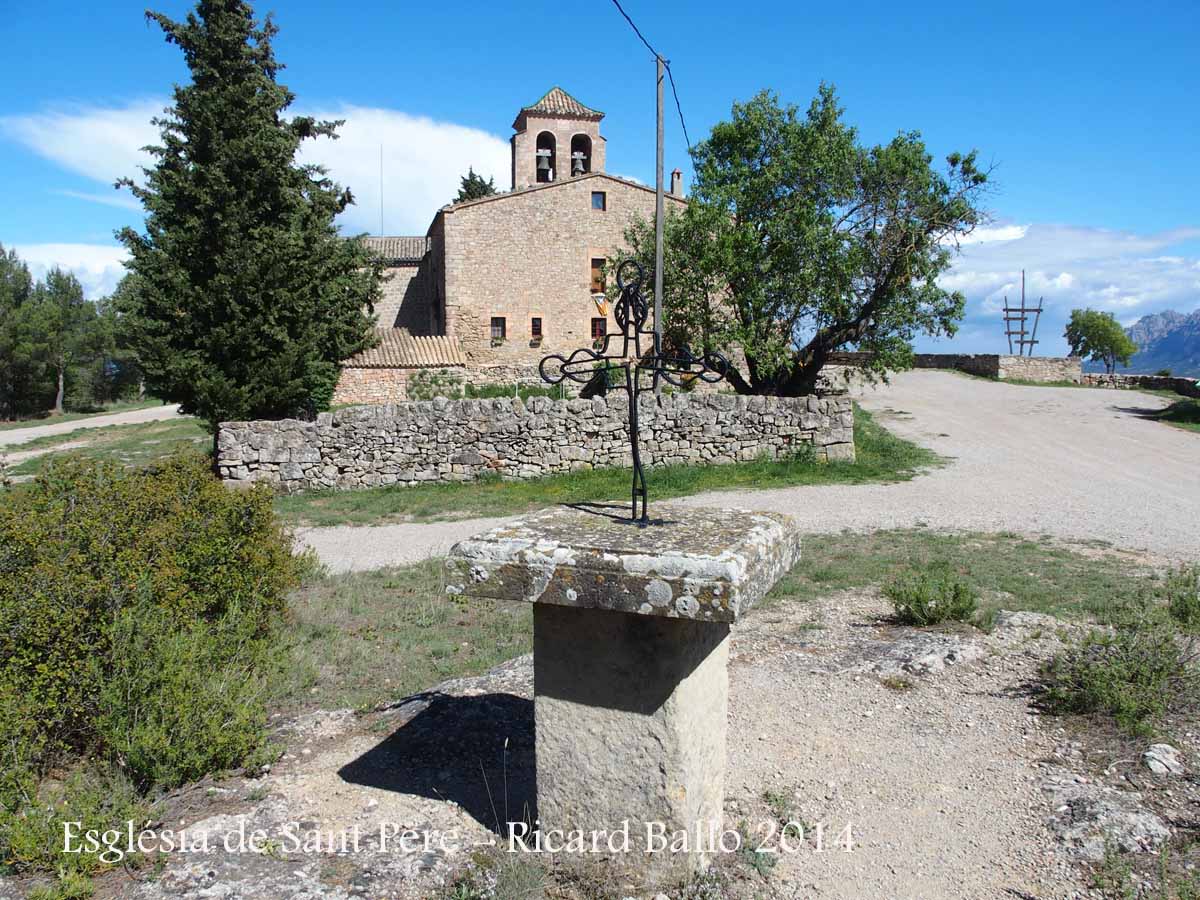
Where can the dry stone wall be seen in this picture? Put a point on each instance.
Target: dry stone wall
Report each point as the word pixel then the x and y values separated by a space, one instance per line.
pixel 461 440
pixel 1040 368
pixel 986 365
pixel 1186 387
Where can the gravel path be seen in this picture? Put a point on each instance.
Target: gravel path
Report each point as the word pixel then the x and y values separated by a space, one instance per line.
pixel 133 417
pixel 940 782
pixel 1066 462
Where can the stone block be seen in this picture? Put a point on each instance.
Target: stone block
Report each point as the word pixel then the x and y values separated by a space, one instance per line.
pixel 631 646
pixel 630 727
pixel 694 563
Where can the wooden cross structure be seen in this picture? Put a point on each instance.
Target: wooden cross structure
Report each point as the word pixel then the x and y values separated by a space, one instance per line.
pixel 1020 316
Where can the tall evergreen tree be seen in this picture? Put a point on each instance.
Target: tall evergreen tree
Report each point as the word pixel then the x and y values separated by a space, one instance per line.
pixel 246 298
pixel 22 353
pixel 472 186
pixel 69 328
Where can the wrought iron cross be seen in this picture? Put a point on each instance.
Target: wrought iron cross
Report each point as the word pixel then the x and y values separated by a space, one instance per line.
pixel 676 367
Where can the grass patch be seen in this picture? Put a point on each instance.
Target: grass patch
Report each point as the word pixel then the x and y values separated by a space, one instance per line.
pixel 881 456
pixel 1005 571
pixel 362 639
pixel 1182 414
pixel 48 418
pixel 930 597
pixel 129 445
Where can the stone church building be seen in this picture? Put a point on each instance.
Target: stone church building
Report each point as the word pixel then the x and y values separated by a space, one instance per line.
pixel 497 283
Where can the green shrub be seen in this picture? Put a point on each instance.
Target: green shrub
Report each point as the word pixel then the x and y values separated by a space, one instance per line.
pixel 930 596
pixel 1163 373
pixel 177 704
pixel 1180 592
pixel 429 383
pixel 89 545
pixel 99 798
pixel 497 391
pixel 1135 673
pixel 138 615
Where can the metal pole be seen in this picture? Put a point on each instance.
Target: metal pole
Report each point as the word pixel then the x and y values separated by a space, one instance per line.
pixel 658 223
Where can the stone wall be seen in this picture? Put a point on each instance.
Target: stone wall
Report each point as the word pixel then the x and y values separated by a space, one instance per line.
pixel 1041 368
pixel 1186 387
pixel 460 440
pixel 372 386
pixel 986 365
pixel 406 298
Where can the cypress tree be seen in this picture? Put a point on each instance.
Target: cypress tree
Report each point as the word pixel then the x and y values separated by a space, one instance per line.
pixel 245 298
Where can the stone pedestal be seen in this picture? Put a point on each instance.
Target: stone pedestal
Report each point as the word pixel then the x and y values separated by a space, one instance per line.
pixel 631 643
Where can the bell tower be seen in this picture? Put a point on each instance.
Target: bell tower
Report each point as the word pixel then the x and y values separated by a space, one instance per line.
pixel 556 138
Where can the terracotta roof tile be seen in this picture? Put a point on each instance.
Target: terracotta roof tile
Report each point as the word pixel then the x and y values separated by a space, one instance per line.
pixel 398 349
pixel 398 249
pixel 557 102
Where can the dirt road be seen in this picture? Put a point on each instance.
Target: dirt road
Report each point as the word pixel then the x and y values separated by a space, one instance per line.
pixel 1070 463
pixel 132 417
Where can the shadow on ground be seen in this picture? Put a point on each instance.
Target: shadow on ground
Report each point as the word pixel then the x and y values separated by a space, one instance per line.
pixel 1142 412
pixel 476 751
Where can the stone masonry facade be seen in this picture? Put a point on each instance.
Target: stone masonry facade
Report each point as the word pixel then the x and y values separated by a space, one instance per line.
pixel 461 440
pixel 511 277
pixel 529 255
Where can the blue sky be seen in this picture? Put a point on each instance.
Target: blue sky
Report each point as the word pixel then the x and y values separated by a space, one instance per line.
pixel 1088 110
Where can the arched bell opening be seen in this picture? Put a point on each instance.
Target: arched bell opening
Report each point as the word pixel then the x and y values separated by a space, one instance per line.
pixel 581 154
pixel 546 162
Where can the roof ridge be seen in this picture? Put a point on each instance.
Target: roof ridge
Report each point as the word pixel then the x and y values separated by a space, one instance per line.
pixel 566 104
pixel 541 186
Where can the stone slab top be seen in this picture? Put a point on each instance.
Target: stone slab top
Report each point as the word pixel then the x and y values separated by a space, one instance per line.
pixel 691 562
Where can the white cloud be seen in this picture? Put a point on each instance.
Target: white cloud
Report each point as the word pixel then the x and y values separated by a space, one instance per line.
pixel 119 199
pixel 1070 266
pixel 102 144
pixel 97 266
pixel 1127 273
pixel 423 159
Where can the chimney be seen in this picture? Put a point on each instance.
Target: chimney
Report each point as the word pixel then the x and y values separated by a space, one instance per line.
pixel 677 183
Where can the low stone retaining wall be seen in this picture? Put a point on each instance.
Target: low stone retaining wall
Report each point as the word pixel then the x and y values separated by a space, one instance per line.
pixel 994 365
pixel 986 365
pixel 1185 387
pixel 461 440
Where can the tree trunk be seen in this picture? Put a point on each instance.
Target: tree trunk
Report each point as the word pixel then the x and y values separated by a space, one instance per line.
pixel 58 397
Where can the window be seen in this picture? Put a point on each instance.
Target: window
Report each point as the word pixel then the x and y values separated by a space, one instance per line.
pixel 498 328
pixel 598 276
pixel 535 328
pixel 599 200
pixel 599 328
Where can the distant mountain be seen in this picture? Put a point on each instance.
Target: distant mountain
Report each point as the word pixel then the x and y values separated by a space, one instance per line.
pixel 1166 340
